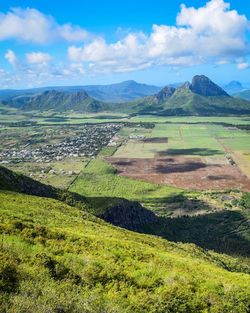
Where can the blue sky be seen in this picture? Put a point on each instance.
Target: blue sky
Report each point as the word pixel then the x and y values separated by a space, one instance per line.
pixel 97 42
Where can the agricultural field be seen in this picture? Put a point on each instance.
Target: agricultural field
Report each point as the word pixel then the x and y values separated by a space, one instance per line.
pixel 100 179
pixel 184 152
pixel 190 156
pixel 10 117
pixel 235 120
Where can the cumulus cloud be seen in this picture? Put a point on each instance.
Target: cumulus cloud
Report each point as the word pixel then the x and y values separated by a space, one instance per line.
pixel 38 58
pixel 210 32
pixel 11 57
pixel 72 33
pixel 213 33
pixel 31 25
pixel 38 69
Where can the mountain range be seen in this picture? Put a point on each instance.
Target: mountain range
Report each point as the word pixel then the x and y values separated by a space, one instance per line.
pixel 200 97
pixel 121 92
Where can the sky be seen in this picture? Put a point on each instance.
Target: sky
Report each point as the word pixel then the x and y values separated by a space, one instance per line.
pixel 61 42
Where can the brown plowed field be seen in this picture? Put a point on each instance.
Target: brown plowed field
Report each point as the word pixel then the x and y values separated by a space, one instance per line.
pixel 188 173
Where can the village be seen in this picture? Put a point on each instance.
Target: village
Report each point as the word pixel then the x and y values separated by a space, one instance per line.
pixel 88 144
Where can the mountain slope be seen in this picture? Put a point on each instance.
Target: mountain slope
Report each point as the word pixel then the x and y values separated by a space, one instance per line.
pixel 117 211
pixel 59 101
pixel 203 86
pixel 186 102
pixel 56 258
pixel 201 97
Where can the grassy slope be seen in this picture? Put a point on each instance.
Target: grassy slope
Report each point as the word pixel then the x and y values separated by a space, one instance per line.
pixel 116 210
pixel 194 104
pixel 54 258
pixel 185 102
pixel 59 101
pixel 99 179
pixel 224 227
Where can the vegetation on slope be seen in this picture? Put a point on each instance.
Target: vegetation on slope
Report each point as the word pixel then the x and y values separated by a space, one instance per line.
pixel 201 97
pixel 116 210
pixel 58 101
pixel 206 220
pixel 55 258
pixel 194 104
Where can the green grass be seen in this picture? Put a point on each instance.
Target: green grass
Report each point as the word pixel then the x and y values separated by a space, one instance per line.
pixel 185 139
pixel 200 217
pixel 99 179
pixel 236 120
pixel 134 131
pixel 49 118
pixel 55 258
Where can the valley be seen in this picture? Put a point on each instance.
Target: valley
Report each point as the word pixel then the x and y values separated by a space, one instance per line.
pixel 98 201
pixel 186 152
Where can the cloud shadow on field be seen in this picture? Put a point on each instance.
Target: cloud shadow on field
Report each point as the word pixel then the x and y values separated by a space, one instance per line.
pixel 179 168
pixel 192 151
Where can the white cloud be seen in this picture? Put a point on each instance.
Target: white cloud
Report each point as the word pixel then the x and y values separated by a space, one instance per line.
pixel 11 57
pixel 213 33
pixel 243 66
pixel 210 32
pixel 38 58
pixel 31 25
pixel 72 33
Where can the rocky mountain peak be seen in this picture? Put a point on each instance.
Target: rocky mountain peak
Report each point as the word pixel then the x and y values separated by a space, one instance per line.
pixel 203 86
pixel 165 93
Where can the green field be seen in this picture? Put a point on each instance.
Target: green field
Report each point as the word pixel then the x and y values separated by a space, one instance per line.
pixel 236 120
pixel 99 179
pixel 50 118
pixel 185 139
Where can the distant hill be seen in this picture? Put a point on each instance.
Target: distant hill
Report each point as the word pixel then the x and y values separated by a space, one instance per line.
pixel 120 92
pixel 233 87
pixel 243 94
pixel 59 101
pixel 125 91
pixel 201 97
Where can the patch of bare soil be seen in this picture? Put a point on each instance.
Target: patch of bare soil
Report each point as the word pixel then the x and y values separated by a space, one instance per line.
pixel 187 173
